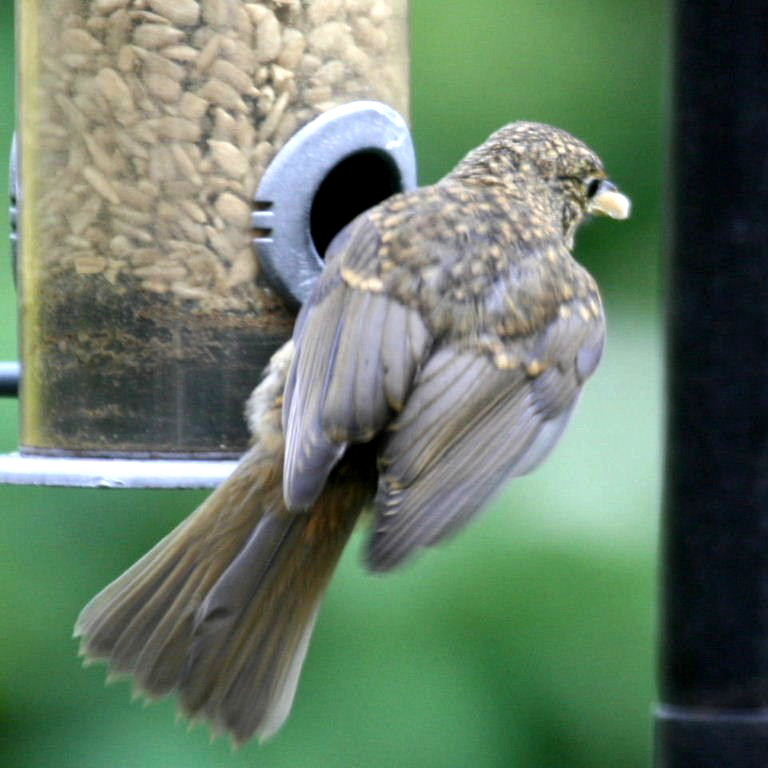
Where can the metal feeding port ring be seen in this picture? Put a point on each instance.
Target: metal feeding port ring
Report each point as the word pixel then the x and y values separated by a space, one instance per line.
pixel 339 165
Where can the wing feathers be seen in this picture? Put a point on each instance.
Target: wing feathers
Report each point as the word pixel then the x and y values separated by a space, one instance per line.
pixel 453 424
pixel 353 368
pixel 310 452
pixel 355 405
pixel 467 427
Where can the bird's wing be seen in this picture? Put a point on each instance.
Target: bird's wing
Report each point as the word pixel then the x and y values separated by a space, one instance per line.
pixel 470 424
pixel 357 351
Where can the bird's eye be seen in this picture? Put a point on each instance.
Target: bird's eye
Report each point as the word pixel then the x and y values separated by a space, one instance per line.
pixel 592 186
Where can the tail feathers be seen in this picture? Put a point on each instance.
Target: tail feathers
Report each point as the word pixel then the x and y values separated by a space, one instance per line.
pixel 221 611
pixel 170 581
pixel 120 621
pixel 248 649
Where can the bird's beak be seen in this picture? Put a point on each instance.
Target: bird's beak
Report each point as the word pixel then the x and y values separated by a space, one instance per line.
pixel 608 201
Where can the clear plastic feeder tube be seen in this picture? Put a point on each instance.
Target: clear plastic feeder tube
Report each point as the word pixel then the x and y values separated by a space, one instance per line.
pixel 145 127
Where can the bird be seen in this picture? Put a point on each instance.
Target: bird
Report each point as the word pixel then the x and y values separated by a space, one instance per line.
pixel 440 354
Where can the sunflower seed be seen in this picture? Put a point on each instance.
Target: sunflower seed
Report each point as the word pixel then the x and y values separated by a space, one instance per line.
pixel 79 41
pixel 88 264
pixel 330 38
pixel 114 89
pixel 85 215
pixel 230 74
pixel 163 114
pixel 228 157
pixel 164 88
pixel 177 128
pixel 186 164
pixel 216 12
pixel 208 53
pixel 100 183
pixel 293 47
pixel 233 209
pixel 183 53
pixel 150 35
pixel 218 92
pixel 185 13
pixel 107 6
pixel 273 118
pixel 268 40
pixel 192 106
pixel 321 11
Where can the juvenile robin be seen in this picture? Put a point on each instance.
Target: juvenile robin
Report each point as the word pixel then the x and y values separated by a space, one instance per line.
pixel 441 354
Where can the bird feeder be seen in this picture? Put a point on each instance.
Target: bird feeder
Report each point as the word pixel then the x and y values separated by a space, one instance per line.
pixel 180 168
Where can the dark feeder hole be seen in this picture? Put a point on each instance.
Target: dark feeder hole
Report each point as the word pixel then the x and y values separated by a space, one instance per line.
pixel 356 184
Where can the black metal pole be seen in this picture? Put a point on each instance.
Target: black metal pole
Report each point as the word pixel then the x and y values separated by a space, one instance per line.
pixel 714 633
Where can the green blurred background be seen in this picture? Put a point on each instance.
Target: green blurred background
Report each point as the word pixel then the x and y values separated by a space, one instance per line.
pixel 527 641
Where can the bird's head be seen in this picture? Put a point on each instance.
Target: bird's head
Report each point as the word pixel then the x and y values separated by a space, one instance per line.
pixel 548 168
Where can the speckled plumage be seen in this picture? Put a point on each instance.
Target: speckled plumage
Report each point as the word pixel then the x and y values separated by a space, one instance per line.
pixel 478 267
pixel 441 354
pixel 503 221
